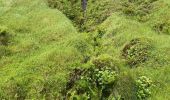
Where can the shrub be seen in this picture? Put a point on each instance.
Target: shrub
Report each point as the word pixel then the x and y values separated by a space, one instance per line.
pixel 137 51
pixel 143 85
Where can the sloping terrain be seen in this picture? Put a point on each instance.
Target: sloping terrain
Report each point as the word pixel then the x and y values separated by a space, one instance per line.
pixel 118 50
pixel 38 49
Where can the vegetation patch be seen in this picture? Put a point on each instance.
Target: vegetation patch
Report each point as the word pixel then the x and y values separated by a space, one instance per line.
pixel 144 85
pixel 48 59
pixel 91 83
pixel 94 82
pixel 4 35
pixel 137 51
pixel 96 12
pixel 139 8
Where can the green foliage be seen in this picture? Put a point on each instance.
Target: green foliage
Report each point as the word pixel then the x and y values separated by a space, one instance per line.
pixel 105 76
pixel 137 51
pixel 91 83
pixel 143 85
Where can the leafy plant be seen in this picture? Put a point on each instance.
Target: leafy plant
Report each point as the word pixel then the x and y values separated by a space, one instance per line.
pixel 93 82
pixel 143 85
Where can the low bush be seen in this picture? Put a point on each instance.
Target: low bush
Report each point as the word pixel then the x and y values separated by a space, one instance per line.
pixel 137 51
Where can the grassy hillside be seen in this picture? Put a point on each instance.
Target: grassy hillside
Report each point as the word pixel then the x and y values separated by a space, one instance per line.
pixel 38 54
pixel 118 51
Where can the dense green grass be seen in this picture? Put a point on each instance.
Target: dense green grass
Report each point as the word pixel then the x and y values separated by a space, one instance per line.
pixel 39 49
pixel 43 46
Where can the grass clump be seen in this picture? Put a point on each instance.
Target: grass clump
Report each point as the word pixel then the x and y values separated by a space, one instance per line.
pixel 4 51
pixel 5 37
pixel 137 51
pixel 138 8
pixel 162 27
pixel 162 24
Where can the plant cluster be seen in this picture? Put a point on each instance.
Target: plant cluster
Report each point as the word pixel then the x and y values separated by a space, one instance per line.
pixel 95 82
pixel 137 51
pixel 143 85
